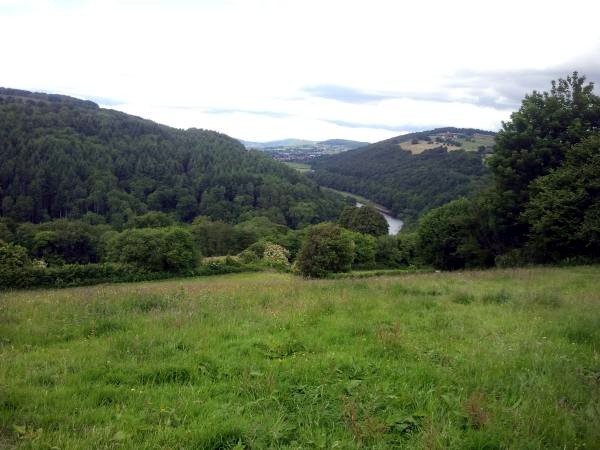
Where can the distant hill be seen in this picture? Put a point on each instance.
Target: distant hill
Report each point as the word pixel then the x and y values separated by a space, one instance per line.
pixel 412 173
pixel 299 150
pixel 64 157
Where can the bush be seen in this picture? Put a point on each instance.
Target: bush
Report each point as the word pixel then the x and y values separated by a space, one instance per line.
pixel 388 253
pixel 155 249
pixel 13 259
pixel 365 219
pixel 152 219
pixel 365 247
pixel 513 258
pixel 221 266
pixel 448 237
pixel 327 248
pixel 74 275
pixel 248 257
pixel 275 255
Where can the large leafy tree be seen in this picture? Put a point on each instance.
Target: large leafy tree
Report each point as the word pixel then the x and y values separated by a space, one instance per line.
pixel 535 141
pixel 365 219
pixel 447 237
pixel 564 208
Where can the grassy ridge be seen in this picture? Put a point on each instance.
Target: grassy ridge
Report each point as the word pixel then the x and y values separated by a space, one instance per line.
pixel 490 359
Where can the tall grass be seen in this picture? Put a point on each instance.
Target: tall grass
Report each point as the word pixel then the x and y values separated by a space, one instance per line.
pixel 491 359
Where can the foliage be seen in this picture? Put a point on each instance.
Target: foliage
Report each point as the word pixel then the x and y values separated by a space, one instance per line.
pixel 564 207
pixel 365 219
pixel 213 238
pixel 543 203
pixel 152 219
pixel 408 250
pixel 446 237
pixel 275 255
pixel 365 248
pixel 327 248
pixel 66 241
pixel 63 157
pixel 155 249
pixel 13 257
pixel 535 141
pixel 74 275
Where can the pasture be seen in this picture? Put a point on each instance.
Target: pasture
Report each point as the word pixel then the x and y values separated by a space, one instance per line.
pixel 484 359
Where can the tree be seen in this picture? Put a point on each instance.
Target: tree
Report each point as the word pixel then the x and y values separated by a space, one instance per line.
pixel 156 249
pixel 365 219
pixel 447 238
pixel 152 219
pixel 13 260
pixel 13 257
pixel 213 238
pixel 365 247
pixel 535 141
pixel 326 249
pixel 564 208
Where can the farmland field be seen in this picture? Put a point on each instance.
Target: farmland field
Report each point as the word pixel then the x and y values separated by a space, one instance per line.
pixel 489 359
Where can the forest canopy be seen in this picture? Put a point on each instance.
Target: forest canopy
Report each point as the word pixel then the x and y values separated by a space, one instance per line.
pixel 68 158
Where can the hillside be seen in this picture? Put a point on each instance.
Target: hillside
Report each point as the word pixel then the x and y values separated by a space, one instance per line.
pixel 64 157
pixel 412 173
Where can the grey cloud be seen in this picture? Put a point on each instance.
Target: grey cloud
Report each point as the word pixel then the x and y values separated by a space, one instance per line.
pixel 273 114
pixel 506 89
pixel 345 94
pixel 502 90
pixel 379 126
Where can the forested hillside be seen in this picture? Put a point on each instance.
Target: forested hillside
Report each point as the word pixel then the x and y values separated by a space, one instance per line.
pixel 63 157
pixel 405 182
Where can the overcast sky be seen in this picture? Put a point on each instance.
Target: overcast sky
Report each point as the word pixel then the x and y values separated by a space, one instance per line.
pixel 264 70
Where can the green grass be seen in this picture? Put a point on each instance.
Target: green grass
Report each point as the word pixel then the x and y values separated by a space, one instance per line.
pixel 490 359
pixel 300 167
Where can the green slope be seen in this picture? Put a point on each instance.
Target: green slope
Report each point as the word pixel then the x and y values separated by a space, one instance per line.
pixel 63 157
pixel 408 183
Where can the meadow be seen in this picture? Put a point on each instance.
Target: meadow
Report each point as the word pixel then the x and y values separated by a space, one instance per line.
pixel 484 359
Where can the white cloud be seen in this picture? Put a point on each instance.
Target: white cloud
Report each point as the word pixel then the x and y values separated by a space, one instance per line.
pixel 178 62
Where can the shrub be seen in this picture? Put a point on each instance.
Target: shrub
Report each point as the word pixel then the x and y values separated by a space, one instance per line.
pixel 248 257
pixel 326 249
pixel 74 275
pixel 365 247
pixel 13 260
pixel 156 249
pixel 365 219
pixel 152 219
pixel 275 255
pixel 388 252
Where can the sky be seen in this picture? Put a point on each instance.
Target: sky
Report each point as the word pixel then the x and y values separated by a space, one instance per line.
pixel 263 70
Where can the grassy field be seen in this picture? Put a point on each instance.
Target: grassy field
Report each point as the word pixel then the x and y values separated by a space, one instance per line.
pixel 494 359
pixel 470 145
pixel 300 167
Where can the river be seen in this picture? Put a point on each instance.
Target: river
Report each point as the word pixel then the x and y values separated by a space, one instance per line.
pixel 395 224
